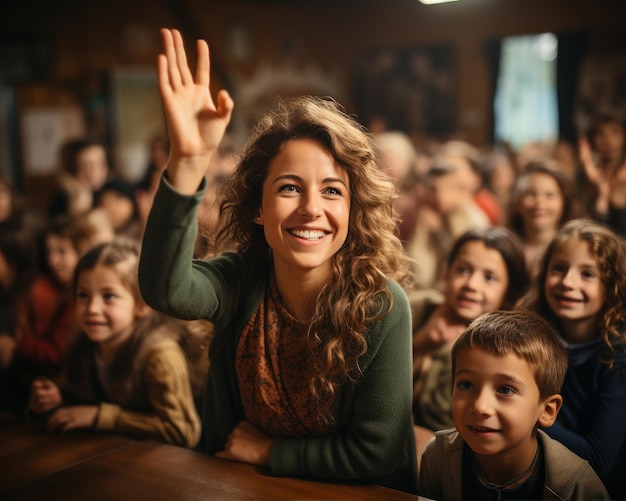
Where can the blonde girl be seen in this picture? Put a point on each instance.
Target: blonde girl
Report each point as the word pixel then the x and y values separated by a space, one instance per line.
pixel 126 372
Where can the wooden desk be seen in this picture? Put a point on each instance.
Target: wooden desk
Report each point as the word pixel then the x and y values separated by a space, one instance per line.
pixel 77 466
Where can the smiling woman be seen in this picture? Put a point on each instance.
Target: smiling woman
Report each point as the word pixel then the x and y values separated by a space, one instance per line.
pixel 310 369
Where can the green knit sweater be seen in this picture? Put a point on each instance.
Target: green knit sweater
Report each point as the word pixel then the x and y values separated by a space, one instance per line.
pixel 372 436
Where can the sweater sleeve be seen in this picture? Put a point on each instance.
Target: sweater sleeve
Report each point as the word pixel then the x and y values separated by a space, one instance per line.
pixel 174 418
pixel 44 326
pixel 601 443
pixel 372 442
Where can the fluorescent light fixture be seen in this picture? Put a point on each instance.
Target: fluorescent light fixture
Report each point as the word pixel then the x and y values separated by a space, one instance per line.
pixel 433 2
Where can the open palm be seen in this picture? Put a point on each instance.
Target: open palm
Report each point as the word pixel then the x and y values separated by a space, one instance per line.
pixel 196 124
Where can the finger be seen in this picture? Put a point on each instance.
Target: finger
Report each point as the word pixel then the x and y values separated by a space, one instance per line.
pixel 225 105
pixel 170 54
pixel 163 77
pixel 181 58
pixel 203 66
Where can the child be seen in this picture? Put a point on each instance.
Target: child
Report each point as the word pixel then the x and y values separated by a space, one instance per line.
pixel 19 262
pixel 310 370
pixel 485 272
pixel 450 185
pixel 602 153
pixel 44 323
pixel 508 367
pixel 126 372
pixel 117 198
pixel 543 199
pixel 581 289
pixel 84 168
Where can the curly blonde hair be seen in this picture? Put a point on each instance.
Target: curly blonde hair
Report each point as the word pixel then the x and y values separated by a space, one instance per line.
pixel 357 293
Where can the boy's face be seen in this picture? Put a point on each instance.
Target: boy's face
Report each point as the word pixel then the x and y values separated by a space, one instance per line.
pixel 496 405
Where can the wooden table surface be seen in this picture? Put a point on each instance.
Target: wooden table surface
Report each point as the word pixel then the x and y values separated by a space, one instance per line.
pixel 35 464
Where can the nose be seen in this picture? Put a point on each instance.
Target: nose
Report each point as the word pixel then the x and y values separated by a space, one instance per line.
pixel 310 205
pixel 568 280
pixel 483 404
pixel 472 280
pixel 93 305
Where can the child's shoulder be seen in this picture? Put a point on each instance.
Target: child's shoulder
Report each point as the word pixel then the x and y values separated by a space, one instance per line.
pixel 564 470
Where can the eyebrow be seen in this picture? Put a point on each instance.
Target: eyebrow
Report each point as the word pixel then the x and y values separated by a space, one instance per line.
pixel 508 377
pixel 298 178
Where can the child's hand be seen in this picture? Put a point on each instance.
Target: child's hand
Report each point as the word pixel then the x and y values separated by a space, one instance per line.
pixel 7 349
pixel 438 330
pixel 44 396
pixel 594 174
pixel 246 443
pixel 195 123
pixel 74 417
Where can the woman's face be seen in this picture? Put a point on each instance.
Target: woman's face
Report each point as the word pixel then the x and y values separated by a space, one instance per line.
pixel 305 209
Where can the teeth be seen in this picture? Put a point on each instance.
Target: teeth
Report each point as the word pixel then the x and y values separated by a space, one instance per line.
pixel 308 234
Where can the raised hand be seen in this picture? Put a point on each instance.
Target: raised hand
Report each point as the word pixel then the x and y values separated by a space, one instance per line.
pixel 595 175
pixel 195 123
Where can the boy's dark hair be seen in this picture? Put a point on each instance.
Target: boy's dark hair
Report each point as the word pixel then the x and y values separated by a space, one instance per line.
pixel 522 333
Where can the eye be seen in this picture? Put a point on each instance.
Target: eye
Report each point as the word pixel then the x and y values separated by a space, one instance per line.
pixel 557 268
pixel 108 296
pixel 81 295
pixel 333 191
pixel 588 274
pixel 506 390
pixel 464 385
pixel 288 188
pixel 490 277
pixel 463 270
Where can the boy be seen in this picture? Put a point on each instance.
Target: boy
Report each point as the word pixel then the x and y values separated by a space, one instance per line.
pixel 508 368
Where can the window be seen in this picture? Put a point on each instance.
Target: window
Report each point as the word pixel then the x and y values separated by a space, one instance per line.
pixel 525 102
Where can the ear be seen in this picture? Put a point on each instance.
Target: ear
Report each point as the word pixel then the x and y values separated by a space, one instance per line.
pixel 551 407
pixel 141 310
pixel 259 218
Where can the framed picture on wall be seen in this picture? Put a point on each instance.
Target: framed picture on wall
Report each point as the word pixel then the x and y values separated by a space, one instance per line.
pixel 408 89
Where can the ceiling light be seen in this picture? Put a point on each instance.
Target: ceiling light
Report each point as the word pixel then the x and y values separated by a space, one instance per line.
pixel 432 2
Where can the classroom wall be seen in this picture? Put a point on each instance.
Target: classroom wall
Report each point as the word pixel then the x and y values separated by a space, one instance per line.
pixel 322 39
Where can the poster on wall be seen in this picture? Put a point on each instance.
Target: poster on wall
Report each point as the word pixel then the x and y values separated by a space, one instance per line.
pixel 138 118
pixel 43 132
pixel 408 89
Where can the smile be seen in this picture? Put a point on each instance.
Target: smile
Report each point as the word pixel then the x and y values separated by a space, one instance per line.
pixel 481 429
pixel 308 234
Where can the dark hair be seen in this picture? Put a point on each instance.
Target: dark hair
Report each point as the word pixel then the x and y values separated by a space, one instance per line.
pixel 602 117
pixel 509 247
pixel 524 334
pixel 71 149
